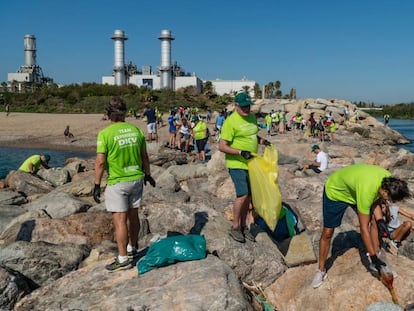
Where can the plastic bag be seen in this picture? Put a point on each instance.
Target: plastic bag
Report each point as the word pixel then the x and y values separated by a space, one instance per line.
pixel 263 173
pixel 171 250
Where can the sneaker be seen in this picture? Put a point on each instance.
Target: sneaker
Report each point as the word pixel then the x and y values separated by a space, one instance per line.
pixel 318 279
pixel 237 235
pixel 396 243
pixel 248 235
pixel 371 267
pixel 132 254
pixel 116 265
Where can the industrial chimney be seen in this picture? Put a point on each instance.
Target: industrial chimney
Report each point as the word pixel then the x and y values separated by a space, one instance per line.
pixel 119 57
pixel 166 68
pixel 30 51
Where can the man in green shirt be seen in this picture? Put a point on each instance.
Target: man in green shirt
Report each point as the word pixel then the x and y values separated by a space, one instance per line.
pixel 121 150
pixel 238 140
pixel 33 163
pixel 358 186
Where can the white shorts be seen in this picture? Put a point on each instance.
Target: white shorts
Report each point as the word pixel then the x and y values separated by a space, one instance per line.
pixel 123 196
pixel 152 128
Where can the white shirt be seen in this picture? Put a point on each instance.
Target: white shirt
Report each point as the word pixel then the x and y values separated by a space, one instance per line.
pixel 322 158
pixel 395 221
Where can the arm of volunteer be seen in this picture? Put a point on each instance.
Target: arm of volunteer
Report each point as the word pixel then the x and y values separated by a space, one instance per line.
pixel 145 161
pixel 405 213
pixel 99 167
pixel 364 224
pixel 224 146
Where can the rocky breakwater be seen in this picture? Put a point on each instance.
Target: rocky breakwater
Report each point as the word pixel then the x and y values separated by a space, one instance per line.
pixel 55 241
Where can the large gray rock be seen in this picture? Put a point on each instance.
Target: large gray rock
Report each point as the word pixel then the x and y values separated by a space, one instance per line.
pixel 207 284
pixel 55 176
pixel 13 286
pixel 27 184
pixel 42 262
pixel 58 204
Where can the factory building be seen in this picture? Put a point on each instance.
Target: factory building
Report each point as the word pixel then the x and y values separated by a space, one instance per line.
pixel 168 76
pixel 29 73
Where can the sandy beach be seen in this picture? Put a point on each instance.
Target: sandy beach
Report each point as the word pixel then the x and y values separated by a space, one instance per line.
pixel 44 130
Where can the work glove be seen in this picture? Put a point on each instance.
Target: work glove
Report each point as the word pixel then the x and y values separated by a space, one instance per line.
pixel 246 154
pixel 97 193
pixel 149 179
pixel 382 229
pixel 378 263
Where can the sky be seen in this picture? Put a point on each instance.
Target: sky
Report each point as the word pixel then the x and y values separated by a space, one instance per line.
pixel 356 50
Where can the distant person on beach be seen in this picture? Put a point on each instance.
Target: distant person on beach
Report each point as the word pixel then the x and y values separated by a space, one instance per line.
pixel 386 119
pixel 121 150
pixel 68 135
pixel 151 116
pixel 7 108
pixel 34 162
pixel 357 186
pixel 238 141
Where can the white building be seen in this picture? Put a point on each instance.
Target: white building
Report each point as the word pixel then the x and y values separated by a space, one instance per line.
pixel 231 87
pixel 154 81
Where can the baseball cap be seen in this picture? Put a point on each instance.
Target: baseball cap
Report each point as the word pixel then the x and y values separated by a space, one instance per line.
pixel 314 147
pixel 243 100
pixel 47 157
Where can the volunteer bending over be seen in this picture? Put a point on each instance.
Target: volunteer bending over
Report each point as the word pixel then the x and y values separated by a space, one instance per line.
pixel 358 186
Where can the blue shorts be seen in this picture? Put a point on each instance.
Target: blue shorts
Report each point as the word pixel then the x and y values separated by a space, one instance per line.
pixel 241 181
pixel 333 211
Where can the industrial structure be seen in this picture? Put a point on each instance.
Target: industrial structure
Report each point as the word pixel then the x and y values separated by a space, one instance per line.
pixel 169 75
pixel 29 73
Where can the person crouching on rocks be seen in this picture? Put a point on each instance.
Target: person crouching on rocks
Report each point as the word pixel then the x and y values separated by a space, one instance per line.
pixel 358 186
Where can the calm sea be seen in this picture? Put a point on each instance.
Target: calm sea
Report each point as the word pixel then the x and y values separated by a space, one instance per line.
pixel 12 158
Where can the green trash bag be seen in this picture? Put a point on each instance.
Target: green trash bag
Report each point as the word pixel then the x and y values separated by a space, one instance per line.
pixel 170 250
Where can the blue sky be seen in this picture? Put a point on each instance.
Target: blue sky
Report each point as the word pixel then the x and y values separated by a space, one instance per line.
pixel 357 50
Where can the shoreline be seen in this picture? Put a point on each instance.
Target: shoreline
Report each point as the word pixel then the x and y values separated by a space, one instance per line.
pixel 45 130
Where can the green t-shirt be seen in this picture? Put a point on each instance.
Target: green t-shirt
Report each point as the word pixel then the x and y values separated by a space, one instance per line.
pixel 122 143
pixel 200 130
pixel 356 185
pixel 35 160
pixel 268 119
pixel 241 133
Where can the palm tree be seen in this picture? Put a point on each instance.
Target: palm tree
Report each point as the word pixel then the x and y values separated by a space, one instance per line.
pixel 278 91
pixel 208 89
pixel 257 90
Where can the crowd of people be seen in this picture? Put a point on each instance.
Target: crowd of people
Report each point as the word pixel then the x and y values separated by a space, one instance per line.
pixel 371 191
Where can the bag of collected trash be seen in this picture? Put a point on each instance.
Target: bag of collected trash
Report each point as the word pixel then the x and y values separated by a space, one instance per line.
pixel 287 225
pixel 170 250
pixel 263 173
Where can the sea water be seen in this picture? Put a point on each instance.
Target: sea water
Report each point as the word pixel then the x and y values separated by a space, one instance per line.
pixel 12 158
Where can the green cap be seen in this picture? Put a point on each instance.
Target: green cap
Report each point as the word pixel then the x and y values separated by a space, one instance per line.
pixel 47 157
pixel 243 100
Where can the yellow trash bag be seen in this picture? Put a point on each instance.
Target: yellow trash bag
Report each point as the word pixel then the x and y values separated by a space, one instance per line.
pixel 263 173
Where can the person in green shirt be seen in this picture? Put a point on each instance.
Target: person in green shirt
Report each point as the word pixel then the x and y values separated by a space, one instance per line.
pixel 199 133
pixel 32 164
pixel 358 186
pixel 122 151
pixel 238 141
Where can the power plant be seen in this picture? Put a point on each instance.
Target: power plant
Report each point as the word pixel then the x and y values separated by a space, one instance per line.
pixel 169 75
pixel 29 73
